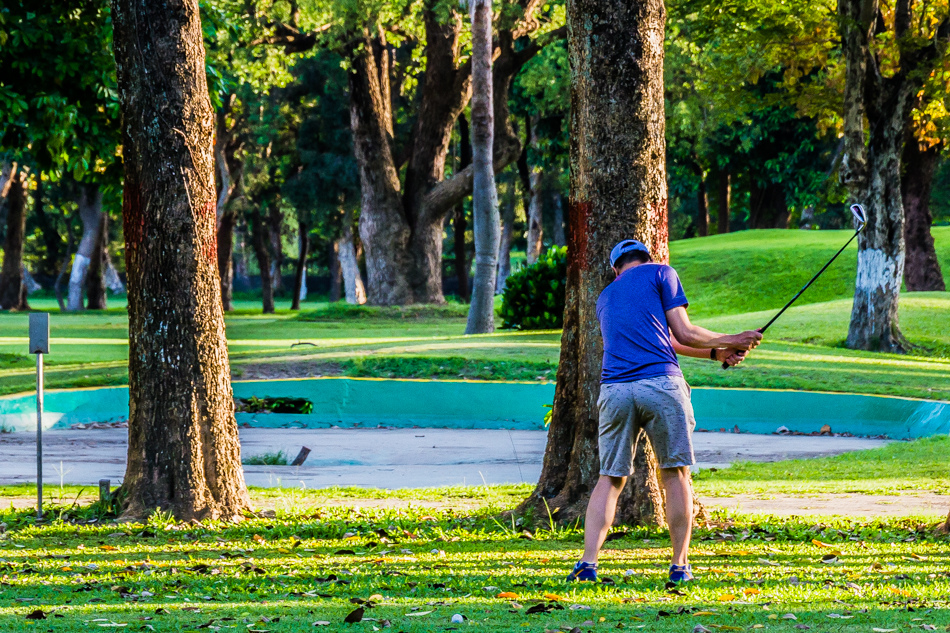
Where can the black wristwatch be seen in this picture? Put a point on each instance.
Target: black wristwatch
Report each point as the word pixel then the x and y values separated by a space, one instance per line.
pixel 712 354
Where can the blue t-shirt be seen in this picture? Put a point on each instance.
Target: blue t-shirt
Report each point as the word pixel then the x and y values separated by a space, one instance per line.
pixel 632 315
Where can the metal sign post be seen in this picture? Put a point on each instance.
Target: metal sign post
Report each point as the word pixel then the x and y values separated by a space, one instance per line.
pixel 39 345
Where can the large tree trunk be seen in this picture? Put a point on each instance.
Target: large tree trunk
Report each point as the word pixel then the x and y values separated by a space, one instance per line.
pixel 336 272
pixel 702 207
pixel 401 226
pixel 485 220
pixel 504 246
pixel 184 454
pixel 871 163
pixel 225 256
pixel 52 240
pixel 383 227
pixel 300 272
pixel 557 202
pixel 90 213
pixel 260 239
pixel 535 211
pixel 275 219
pixel 95 276
pixel 353 287
pixel 229 178
pixel 618 190
pixel 12 288
pixel 922 270
pixel 724 199
pixel 459 221
pixel 460 251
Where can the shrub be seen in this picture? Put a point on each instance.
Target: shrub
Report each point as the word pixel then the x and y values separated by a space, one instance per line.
pixel 534 295
pixel 274 405
pixel 266 459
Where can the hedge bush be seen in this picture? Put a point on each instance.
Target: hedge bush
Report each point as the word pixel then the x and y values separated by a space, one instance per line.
pixel 534 295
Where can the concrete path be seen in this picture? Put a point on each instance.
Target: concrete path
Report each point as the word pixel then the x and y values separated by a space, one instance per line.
pixel 384 458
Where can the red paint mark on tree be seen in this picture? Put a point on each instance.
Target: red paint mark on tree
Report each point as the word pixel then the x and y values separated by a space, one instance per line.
pixel 209 208
pixel 578 218
pixel 209 240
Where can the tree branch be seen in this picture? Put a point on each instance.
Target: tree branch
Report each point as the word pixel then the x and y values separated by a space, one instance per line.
pixel 292 39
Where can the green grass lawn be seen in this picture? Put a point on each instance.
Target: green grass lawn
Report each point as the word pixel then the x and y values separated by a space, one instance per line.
pixel 898 468
pixel 734 281
pixel 412 569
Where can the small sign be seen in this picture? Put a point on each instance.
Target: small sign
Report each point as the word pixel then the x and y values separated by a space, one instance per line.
pixel 39 333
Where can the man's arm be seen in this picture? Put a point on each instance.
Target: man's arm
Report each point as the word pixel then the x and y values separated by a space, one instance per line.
pixel 699 338
pixel 728 355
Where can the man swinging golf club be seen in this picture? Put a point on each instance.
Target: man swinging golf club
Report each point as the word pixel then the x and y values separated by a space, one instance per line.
pixel 642 387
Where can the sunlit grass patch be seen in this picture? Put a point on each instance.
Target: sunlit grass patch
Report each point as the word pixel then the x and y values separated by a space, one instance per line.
pixel 901 467
pixel 416 568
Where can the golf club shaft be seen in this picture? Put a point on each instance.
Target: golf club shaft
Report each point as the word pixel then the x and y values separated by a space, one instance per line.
pixel 762 329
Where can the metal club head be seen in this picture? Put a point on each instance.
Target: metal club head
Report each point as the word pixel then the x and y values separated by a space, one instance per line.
pixel 859 214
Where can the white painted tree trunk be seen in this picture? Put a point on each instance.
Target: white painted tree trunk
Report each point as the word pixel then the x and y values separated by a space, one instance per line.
pixel 111 278
pixel 90 212
pixel 29 282
pixel 487 225
pixel 353 288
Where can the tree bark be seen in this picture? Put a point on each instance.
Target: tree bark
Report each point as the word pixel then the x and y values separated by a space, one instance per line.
pixel 95 276
pixel 383 227
pixel 52 240
pixel 702 207
pixel 300 272
pixel 504 246
pixel 336 272
pixel 618 190
pixel 8 172
pixel 459 221
pixel 557 202
pixel 275 219
pixel 353 287
pixel 90 214
pixel 485 219
pixel 226 146
pixel 184 454
pixel 12 288
pixel 225 255
pixel 64 266
pixel 260 240
pixel 724 199
pixel 401 226
pixel 535 210
pixel 922 270
pixel 870 167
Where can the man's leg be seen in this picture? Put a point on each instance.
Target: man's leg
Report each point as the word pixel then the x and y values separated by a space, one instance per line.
pixel 679 510
pixel 601 510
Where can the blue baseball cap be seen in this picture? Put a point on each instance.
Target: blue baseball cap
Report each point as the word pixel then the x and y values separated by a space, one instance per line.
pixel 627 246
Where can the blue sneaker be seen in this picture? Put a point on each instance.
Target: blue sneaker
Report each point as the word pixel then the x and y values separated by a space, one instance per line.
pixel 583 572
pixel 681 573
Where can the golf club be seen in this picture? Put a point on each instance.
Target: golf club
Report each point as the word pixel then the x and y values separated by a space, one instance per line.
pixel 858 212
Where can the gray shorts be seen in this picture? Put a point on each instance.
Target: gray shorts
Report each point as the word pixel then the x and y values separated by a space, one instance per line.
pixel 661 407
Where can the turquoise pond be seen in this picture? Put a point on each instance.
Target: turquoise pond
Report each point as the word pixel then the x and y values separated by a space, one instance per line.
pixel 356 402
